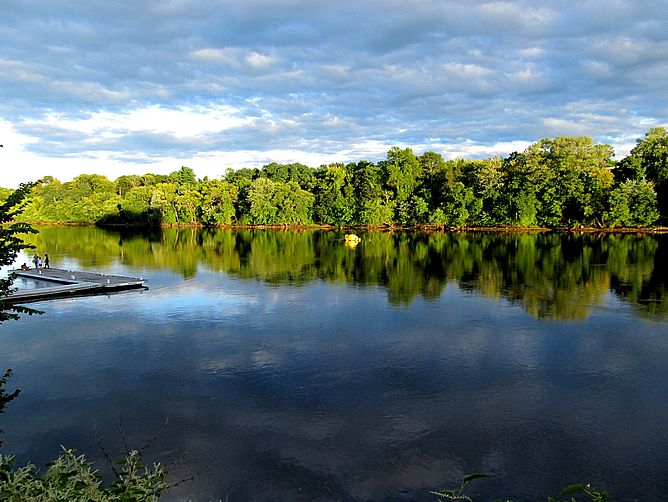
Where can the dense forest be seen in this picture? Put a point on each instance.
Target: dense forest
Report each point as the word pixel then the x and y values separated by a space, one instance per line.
pixel 563 182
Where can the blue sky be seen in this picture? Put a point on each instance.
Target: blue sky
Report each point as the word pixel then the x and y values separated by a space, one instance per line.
pixel 120 87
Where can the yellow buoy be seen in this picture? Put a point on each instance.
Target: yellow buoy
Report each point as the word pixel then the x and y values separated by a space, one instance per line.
pixel 352 239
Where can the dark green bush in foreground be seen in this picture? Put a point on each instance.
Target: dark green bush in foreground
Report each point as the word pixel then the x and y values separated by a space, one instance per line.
pixel 70 477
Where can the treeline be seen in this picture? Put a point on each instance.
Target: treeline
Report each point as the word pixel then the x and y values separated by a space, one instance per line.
pixel 559 182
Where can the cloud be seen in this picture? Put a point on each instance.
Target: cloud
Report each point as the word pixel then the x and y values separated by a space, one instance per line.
pixel 186 81
pixel 235 57
pixel 181 122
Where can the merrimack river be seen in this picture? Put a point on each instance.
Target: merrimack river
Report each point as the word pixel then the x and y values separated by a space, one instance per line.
pixel 287 365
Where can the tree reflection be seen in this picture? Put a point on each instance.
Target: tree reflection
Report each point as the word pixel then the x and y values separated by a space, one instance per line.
pixel 550 275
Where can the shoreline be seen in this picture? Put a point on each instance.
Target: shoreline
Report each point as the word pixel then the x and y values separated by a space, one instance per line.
pixel 376 228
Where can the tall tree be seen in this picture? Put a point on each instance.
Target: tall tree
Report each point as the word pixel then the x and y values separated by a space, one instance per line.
pixel 487 179
pixel 374 204
pixel 335 199
pixel 632 203
pixel 649 160
pixel 563 180
pixel 403 174
pixel 10 244
pixel 124 184
pixel 184 176
pixel 217 202
pixel 279 203
pixel 433 178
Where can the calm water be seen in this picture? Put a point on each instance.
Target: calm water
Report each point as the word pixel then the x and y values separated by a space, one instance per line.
pixel 286 366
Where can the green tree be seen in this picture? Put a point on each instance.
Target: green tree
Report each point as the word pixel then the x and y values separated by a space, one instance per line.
pixel 301 174
pixel 279 203
pixel 276 172
pixel 374 204
pixel 187 203
pixel 649 160
pixel 262 206
pixel 10 244
pixel 4 193
pixel 433 169
pixel 295 206
pixel 568 176
pixel 87 198
pixel 487 179
pixel 242 179
pixel 335 197
pixel 632 203
pixel 135 206
pixel 403 174
pixel 460 206
pixel 184 176
pixel 217 202
pixel 45 202
pixel 124 184
pixel 164 202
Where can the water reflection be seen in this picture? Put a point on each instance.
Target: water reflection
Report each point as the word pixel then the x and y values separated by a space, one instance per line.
pixel 292 367
pixel 550 275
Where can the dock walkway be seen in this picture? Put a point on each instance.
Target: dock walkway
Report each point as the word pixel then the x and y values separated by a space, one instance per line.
pixel 70 283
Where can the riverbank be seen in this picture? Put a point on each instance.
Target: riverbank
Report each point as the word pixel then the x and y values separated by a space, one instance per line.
pixel 660 229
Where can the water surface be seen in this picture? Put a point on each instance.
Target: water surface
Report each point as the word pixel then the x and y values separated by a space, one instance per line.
pixel 280 365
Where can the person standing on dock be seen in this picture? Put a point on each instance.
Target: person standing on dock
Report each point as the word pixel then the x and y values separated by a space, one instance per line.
pixel 35 260
pixel 46 260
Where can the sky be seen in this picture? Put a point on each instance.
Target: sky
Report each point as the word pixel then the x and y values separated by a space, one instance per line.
pixel 118 87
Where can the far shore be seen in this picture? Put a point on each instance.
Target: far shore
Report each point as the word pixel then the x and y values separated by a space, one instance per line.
pixel 377 228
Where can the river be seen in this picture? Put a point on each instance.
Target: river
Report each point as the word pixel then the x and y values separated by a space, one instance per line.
pixel 287 365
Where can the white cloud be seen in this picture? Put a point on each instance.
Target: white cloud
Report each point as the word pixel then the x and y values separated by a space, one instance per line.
pixel 181 122
pixel 564 127
pixel 20 71
pixel 236 57
pixel 229 83
pixel 529 17
pixel 531 52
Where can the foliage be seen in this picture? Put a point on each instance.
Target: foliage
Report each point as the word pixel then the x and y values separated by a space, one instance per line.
pixel 649 161
pixel 217 204
pixel 460 206
pixel 71 478
pixel 374 204
pixel 10 244
pixel 632 203
pixel 278 202
pixel 184 176
pixel 561 182
pixel 6 397
pixel 587 490
pixel 403 174
pixel 335 198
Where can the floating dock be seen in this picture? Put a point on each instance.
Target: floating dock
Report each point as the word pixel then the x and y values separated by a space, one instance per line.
pixel 71 283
